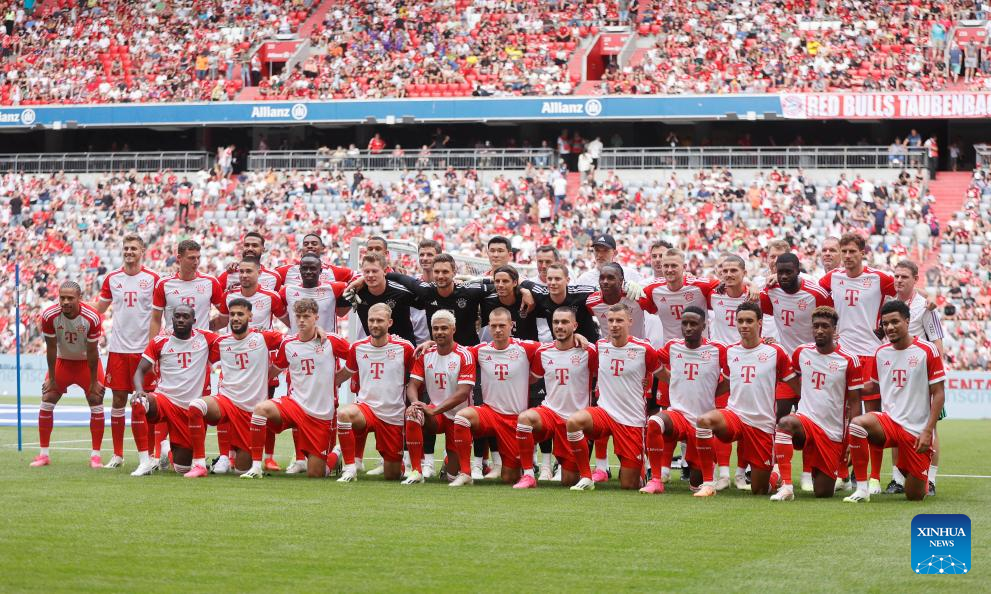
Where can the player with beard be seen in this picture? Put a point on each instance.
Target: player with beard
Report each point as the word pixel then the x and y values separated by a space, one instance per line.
pixel 612 290
pixel 377 289
pixel 559 293
pixel 313 244
pixel 266 304
pixel 252 246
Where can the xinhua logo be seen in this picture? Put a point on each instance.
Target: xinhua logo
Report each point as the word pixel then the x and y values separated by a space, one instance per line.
pixel 941 544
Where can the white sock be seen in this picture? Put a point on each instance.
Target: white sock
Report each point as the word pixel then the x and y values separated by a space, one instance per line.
pixel 427 460
pixel 405 459
pixel 545 460
pixel 477 461
pixel 166 447
pixel 94 453
pixel 224 457
pixel 724 472
pixel 740 472
pixel 44 451
pixel 665 472
pixel 256 465
pixel 806 476
pixel 602 464
pixel 897 476
pixel 350 467
pixel 496 459
pixel 199 462
pixel 932 474
pixel 143 457
pixel 528 472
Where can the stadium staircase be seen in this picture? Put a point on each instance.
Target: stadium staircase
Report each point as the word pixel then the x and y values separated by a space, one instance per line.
pixel 574 184
pixel 950 191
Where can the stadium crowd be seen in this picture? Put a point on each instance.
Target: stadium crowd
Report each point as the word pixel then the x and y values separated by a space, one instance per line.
pixel 115 51
pixel 61 226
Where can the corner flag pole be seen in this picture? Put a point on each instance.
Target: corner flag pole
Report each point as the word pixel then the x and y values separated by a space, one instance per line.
pixel 17 347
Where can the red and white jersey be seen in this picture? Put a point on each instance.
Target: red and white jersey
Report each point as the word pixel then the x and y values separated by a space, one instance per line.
pixel 131 297
pixel 505 374
pixel 923 323
pixel 722 320
pixel 825 382
pixel 381 374
pixel 244 366
pixel 72 334
pixel 183 365
pixel 753 376
pixel 265 306
pixel 904 378
pixel 793 312
pixel 312 366
pixel 569 376
pixel 670 304
pixel 695 373
pixel 858 303
pixel 599 308
pixel 268 279
pixel 325 294
pixel 442 374
pixel 291 278
pixel 624 379
pixel 199 293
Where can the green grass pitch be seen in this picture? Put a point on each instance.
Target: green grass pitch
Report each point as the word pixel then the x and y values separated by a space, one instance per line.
pixel 69 528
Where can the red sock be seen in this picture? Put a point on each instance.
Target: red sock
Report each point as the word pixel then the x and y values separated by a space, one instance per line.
pixel 46 420
pixel 295 444
pixel 462 443
pixel 579 448
pixel 843 471
pixel 223 438
pixel 783 451
pixel 723 451
pixel 668 453
pixel 269 443
pixel 655 446
pixel 259 426
pixel 346 438
pixel 414 443
pixel 161 434
pixel 524 442
pixel 359 444
pixel 117 430
pixel 332 459
pixel 877 459
pixel 859 451
pixel 97 426
pixel 197 429
pixel 139 426
pixel 806 464
pixel 602 448
pixel 705 446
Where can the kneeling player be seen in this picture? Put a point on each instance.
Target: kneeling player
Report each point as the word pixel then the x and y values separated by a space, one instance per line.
pixel 311 361
pixel 379 365
pixel 754 369
pixel 244 361
pixel 183 360
pixel 568 371
pixel 626 366
pixel 831 382
pixel 909 372
pixel 695 373
pixel 447 369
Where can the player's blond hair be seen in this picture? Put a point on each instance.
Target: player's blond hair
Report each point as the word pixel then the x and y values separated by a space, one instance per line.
pixel 306 305
pixel 380 307
pixel 374 258
pixel 443 315
pixel 133 237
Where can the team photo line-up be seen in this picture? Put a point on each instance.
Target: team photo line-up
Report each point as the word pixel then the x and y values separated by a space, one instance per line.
pixel 840 368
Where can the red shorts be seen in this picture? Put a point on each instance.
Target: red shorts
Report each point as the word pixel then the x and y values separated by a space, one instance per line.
pixel 754 446
pixel 722 400
pixel 909 461
pixel 445 427
pixel 867 367
pixel 782 391
pixel 663 394
pixel 120 372
pixel 313 434
pixel 627 441
pixel 389 439
pixel 176 419
pixel 557 428
pixel 69 372
pixel 503 428
pixel 239 422
pixel 682 430
pixel 819 451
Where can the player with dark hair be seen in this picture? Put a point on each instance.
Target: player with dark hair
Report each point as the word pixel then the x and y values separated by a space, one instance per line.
pixel 909 373
pixel 313 244
pixel 187 287
pixel 377 289
pixel 613 290
pixel 266 304
pixel 252 246
pixel 499 251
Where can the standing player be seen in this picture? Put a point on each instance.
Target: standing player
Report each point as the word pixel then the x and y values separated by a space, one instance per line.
pixel 604 247
pixel 252 246
pixel 910 374
pixel 508 294
pixel 313 244
pixel 244 363
pixel 447 372
pixel 182 358
pixel 129 290
pixel 504 372
pixel 829 254
pixel 695 373
pixel 923 324
pixel 559 293
pixel 858 292
pixel 754 369
pixel 309 406
pixel 265 303
pixel 625 366
pixel 327 295
pixel 186 287
pixel 379 365
pixel 568 372
pixel 426 251
pixel 612 290
pixel 831 383
pixel 71 330
pixel 732 273
pixel 379 290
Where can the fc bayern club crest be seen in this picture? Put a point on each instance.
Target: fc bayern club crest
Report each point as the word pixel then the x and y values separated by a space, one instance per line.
pixel 834 366
pixel 706 355
pixel 763 357
pixel 802 304
pixel 392 354
pixel 452 365
pixel 391 303
pixel 462 303
pixel 143 284
pixel 631 354
pixel 319 349
pixel 913 362
pixel 201 289
pixel 252 343
pixel 576 360
pixel 514 355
